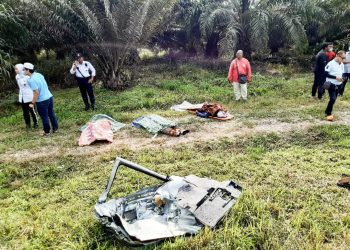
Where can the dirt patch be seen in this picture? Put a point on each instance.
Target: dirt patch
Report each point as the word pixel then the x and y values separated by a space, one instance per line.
pixel 201 131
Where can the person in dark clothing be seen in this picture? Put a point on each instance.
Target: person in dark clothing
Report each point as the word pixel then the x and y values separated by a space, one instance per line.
pixel 84 73
pixel 320 76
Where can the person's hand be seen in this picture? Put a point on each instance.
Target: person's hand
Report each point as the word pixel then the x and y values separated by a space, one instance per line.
pixel 31 105
pixel 91 80
pixel 339 78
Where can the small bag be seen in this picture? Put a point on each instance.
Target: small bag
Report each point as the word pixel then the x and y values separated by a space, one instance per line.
pixel 242 79
pixel 327 85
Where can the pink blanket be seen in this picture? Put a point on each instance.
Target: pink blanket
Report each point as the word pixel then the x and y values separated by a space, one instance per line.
pixel 96 131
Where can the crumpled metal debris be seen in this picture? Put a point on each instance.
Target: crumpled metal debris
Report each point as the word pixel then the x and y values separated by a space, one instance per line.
pixel 181 206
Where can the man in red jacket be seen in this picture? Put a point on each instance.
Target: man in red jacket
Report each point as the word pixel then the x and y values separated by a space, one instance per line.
pixel 239 75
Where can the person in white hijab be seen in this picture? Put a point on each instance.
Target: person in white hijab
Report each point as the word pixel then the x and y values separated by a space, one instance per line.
pixel 25 96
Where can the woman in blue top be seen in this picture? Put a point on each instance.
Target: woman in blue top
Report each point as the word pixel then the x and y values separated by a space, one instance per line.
pixel 25 96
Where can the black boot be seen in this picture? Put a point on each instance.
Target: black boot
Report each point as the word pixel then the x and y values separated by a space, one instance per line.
pixel 27 125
pixel 87 106
pixel 36 125
pixel 93 106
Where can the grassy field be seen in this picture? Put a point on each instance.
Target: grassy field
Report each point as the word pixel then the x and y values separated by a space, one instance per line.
pixel 48 186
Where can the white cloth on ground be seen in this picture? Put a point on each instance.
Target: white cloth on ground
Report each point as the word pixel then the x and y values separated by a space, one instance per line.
pixel 186 106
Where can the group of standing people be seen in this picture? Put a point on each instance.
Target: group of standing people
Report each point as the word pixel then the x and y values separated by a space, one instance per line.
pixel 34 93
pixel 332 72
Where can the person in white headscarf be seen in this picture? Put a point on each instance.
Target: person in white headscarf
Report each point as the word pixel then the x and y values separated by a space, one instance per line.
pixel 25 96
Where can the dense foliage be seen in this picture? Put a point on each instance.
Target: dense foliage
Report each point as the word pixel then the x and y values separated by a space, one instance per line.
pixel 111 31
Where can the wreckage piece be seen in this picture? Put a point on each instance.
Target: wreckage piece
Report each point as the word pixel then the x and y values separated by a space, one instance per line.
pixel 180 206
pixel 344 181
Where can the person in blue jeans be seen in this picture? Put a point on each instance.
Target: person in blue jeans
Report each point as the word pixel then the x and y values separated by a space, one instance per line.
pixel 42 98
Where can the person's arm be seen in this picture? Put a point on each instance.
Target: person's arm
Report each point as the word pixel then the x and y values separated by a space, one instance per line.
pixel 93 72
pixel 249 69
pixel 35 89
pixel 323 61
pixel 35 98
pixel 230 72
pixel 73 69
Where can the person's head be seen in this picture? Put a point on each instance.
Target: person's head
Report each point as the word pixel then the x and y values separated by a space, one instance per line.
pixel 19 69
pixel 28 69
pixel 239 54
pixel 328 47
pixel 80 58
pixel 341 56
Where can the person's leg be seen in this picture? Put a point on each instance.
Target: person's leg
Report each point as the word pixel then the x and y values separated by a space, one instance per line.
pixel 321 81
pixel 346 79
pixel 52 115
pixel 90 91
pixel 244 91
pixel 332 98
pixel 237 90
pixel 34 116
pixel 43 112
pixel 82 83
pixel 26 116
pixel 314 86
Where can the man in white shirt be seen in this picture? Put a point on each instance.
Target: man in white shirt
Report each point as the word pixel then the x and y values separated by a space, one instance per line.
pixel 334 74
pixel 346 74
pixel 85 74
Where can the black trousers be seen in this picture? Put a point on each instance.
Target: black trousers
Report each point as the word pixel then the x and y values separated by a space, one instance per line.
pixel 333 94
pixel 317 87
pixel 86 90
pixel 346 77
pixel 27 112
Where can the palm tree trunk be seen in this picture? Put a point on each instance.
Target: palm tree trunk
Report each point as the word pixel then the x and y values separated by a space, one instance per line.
pixel 212 49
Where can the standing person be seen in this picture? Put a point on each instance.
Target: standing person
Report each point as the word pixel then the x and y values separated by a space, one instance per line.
pixel 334 74
pixel 239 75
pixel 330 55
pixel 84 73
pixel 42 98
pixel 320 76
pixel 346 74
pixel 25 96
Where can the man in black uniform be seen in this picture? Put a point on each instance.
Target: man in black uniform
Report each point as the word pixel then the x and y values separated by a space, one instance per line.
pixel 320 76
pixel 84 73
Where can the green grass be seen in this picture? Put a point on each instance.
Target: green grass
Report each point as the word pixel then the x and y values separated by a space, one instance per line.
pixel 290 200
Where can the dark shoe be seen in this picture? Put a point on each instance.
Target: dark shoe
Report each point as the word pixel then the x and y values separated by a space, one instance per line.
pixel 93 107
pixel 45 134
pixel 36 125
pixel 27 126
pixel 87 107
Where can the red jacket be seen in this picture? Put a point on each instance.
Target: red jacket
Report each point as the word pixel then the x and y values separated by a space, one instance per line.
pixel 243 69
pixel 330 55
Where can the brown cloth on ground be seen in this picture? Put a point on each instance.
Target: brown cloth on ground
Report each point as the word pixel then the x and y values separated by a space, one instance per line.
pixel 344 181
pixel 212 108
pixel 174 131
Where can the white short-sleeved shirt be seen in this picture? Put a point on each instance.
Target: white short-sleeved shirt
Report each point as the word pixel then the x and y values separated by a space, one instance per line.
pixel 25 92
pixel 334 69
pixel 83 71
pixel 347 66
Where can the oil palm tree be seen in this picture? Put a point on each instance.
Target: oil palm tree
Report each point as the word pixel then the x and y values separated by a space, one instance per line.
pixel 259 24
pixel 110 30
